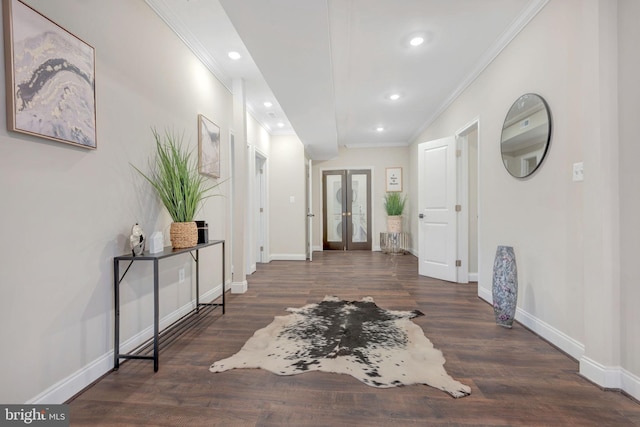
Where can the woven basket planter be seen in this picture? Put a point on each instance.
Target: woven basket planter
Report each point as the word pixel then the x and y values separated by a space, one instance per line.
pixel 183 234
pixel 394 224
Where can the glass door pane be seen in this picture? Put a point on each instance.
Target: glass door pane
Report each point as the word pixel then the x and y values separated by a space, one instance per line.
pixel 359 208
pixel 334 208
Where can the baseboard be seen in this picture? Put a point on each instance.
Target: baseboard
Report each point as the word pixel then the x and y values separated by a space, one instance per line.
pixel 317 248
pixel 559 339
pixel 630 384
pixel 615 378
pixel 288 257
pixel 604 376
pixel 65 389
pixel 68 387
pixel 239 287
pixel 473 277
pixel 485 294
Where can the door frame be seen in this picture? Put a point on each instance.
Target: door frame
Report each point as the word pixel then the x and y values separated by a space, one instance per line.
pixel 251 234
pixel 232 195
pixel 261 218
pixel 309 205
pixel 463 197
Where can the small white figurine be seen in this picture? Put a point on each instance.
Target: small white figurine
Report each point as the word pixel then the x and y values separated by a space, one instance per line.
pixel 137 240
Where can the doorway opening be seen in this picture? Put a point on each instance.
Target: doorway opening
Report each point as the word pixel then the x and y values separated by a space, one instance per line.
pixel 346 223
pixel 260 213
pixel 468 137
pixel 448 206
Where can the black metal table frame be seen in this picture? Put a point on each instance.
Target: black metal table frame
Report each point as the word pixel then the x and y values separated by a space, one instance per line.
pixel 175 328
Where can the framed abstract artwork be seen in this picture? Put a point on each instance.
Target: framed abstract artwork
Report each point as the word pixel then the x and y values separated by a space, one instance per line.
pixel 208 147
pixel 394 179
pixel 50 78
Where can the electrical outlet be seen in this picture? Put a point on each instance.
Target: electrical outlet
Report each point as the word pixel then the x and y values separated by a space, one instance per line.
pixel 181 275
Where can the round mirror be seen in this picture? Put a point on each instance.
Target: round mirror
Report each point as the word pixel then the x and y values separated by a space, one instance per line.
pixel 525 135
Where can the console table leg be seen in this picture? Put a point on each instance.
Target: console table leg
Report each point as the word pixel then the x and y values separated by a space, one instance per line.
pixel 197 280
pixel 116 305
pixel 224 284
pixel 156 315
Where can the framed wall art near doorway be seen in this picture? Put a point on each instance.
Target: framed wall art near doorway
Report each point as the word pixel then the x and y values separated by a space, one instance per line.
pixel 208 147
pixel 394 179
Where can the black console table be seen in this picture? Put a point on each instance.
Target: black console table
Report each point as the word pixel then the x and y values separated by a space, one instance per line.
pixel 175 328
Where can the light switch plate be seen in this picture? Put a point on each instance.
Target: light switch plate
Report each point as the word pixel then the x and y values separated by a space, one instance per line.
pixel 578 172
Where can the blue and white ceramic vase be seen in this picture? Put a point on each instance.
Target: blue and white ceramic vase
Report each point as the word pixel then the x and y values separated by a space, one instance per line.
pixel 505 286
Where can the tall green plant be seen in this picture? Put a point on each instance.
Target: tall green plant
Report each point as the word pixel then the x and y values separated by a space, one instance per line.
pixel 175 177
pixel 394 203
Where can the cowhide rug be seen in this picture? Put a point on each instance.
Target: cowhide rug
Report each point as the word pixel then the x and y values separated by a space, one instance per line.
pixel 379 347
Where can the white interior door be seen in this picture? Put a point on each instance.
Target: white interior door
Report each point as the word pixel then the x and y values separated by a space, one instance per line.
pixel 437 187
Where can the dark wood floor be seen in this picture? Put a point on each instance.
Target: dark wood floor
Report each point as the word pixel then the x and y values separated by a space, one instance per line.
pixel 516 378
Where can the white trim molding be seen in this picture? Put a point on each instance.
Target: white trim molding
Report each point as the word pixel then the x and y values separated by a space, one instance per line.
pixel 162 9
pixel 610 377
pixel 630 384
pixel 68 387
pixel 531 10
pixel 239 287
pixel 541 328
pixel 556 337
pixel 288 257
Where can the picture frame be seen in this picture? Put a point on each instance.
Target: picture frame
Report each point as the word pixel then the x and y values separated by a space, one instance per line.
pixel 394 179
pixel 50 78
pixel 208 147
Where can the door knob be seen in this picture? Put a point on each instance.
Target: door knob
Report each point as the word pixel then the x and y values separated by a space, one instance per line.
pixel 421 216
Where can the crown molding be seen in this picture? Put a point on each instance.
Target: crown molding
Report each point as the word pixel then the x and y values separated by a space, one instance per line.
pixel 532 9
pixel 161 8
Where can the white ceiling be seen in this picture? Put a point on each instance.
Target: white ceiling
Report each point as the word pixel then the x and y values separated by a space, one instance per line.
pixel 329 66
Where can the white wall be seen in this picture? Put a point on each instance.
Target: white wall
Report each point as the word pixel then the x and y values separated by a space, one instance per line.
pixel 68 211
pixel 287 190
pixel 376 159
pixel 565 233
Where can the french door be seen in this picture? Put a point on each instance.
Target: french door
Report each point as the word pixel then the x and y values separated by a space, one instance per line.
pixel 346 210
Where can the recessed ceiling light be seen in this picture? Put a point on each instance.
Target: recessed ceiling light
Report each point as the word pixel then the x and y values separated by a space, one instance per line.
pixel 379 129
pixel 416 41
pixel 268 104
pixel 234 55
pixel 394 96
pixel 280 124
